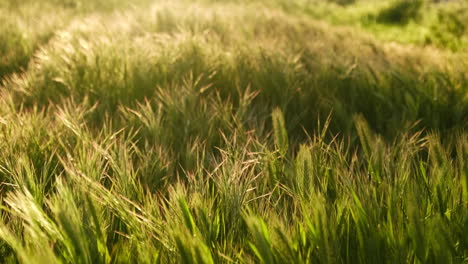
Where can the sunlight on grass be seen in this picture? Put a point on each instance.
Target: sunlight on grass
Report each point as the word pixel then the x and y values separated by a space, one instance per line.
pixel 233 131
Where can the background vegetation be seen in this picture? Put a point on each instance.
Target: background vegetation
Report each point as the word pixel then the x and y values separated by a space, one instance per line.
pixel 203 131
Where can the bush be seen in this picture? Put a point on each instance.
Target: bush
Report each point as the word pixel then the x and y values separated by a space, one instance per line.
pixel 343 2
pixel 449 28
pixel 400 12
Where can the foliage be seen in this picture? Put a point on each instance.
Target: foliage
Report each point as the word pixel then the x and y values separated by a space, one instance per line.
pixel 400 12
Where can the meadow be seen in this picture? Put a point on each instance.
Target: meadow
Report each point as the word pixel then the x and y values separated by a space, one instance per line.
pixel 233 131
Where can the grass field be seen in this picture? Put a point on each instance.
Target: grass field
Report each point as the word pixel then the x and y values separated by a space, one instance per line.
pixel 233 131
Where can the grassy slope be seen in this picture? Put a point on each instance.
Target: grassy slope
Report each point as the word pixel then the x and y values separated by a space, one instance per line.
pixel 199 132
pixel 439 24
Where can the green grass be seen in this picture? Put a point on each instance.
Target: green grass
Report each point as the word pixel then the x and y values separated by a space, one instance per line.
pixel 420 22
pixel 202 131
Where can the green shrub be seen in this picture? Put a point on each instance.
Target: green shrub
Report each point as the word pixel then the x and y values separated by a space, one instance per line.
pixel 343 2
pixel 400 12
pixel 449 28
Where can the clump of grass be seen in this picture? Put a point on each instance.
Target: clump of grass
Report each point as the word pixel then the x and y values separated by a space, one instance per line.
pixel 24 30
